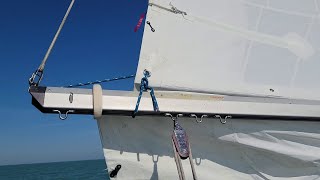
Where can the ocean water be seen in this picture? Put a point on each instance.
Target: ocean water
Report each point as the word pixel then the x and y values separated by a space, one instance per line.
pixel 89 170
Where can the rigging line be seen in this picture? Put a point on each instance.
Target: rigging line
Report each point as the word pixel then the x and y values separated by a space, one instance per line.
pixel 41 67
pixel 144 87
pixel 39 72
pixel 100 81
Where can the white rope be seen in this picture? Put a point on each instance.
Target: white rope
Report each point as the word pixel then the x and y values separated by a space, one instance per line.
pixel 179 164
pixel 194 174
pixel 41 67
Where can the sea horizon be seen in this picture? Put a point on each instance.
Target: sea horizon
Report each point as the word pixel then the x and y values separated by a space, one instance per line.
pixel 94 169
pixel 50 162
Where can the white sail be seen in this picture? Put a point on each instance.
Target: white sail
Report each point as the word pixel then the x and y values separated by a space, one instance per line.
pixel 236 47
pixel 247 47
pixel 240 149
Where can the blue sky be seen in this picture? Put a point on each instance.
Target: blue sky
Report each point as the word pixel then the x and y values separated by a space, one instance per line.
pixel 97 42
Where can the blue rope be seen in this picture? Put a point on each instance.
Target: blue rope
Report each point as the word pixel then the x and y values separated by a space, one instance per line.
pixel 144 87
pixel 102 81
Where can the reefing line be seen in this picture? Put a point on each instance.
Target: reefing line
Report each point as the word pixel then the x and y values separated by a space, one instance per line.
pixel 291 41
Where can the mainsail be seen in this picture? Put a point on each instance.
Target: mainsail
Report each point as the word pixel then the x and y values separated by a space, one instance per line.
pixel 241 149
pixel 244 47
pixel 241 48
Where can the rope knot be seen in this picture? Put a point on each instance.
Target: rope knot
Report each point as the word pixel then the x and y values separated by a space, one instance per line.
pixel 144 87
pixel 146 73
pixel 144 84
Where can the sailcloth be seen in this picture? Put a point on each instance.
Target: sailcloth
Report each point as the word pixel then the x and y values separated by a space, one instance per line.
pixel 246 47
pixel 268 48
pixel 240 149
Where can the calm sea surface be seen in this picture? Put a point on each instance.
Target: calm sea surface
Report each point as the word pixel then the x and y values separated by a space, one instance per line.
pixel 91 169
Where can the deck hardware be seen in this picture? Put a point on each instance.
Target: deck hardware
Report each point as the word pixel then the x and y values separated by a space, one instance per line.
pixel 198 162
pixel 35 78
pixel 144 87
pixel 63 117
pixel 174 119
pixel 194 116
pixel 181 147
pixel 138 156
pixel 71 97
pixel 152 29
pixel 202 117
pixel 176 10
pixel 115 171
pixel 155 158
pixel 227 117
pixel 169 115
pixel 173 9
pixel 223 120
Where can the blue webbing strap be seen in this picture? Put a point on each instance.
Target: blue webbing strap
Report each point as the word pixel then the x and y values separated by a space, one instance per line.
pixel 144 87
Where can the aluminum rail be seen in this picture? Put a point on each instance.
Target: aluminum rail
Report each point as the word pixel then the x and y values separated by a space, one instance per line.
pixel 79 101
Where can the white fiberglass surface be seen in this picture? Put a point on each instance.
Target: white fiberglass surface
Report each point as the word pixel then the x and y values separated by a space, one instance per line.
pixel 247 47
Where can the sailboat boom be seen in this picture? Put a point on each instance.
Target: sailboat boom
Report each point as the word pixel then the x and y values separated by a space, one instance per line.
pixel 51 99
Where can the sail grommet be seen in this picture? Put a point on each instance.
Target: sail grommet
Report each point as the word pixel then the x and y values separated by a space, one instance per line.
pixel 97 101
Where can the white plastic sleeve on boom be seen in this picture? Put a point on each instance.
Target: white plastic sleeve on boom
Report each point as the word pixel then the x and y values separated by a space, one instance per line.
pixel 97 101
